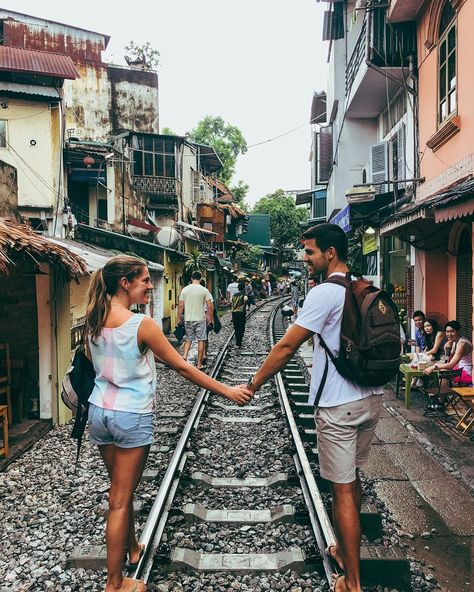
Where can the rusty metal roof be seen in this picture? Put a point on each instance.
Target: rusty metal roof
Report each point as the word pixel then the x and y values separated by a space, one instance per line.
pixel 14 59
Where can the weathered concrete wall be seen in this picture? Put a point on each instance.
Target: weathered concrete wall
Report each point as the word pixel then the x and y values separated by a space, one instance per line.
pixel 33 149
pixel 134 94
pixel 8 191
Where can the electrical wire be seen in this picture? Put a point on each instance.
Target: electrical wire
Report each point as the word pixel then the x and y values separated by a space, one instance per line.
pixel 277 137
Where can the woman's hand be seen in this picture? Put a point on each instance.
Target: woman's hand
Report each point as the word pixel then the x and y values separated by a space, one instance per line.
pixel 240 394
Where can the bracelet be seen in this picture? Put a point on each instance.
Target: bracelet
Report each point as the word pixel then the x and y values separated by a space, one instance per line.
pixel 251 384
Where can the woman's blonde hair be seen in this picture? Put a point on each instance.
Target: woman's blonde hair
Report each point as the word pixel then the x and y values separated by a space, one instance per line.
pixel 104 283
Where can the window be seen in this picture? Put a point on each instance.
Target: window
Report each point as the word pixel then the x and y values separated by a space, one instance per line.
pixel 3 133
pixel 153 157
pixel 447 101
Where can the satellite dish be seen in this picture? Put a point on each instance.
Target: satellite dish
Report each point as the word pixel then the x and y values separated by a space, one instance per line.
pixel 167 237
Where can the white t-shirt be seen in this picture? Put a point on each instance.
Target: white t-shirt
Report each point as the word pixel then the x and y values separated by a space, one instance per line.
pixel 233 288
pixel 194 296
pixel 322 313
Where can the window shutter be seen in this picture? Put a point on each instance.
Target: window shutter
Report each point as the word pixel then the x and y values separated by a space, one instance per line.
pixel 333 23
pixel 401 153
pixel 378 161
pixel 464 284
pixel 325 154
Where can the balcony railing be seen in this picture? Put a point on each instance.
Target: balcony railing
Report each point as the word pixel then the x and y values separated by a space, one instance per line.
pixel 157 185
pixel 389 45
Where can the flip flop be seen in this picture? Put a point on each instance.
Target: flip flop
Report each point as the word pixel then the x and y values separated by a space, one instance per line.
pixel 330 552
pixel 129 566
pixel 335 577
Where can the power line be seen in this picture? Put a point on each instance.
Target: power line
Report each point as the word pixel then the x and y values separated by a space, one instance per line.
pixel 277 137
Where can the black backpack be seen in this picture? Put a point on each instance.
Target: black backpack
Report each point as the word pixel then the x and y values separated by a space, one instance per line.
pixel 77 387
pixel 369 353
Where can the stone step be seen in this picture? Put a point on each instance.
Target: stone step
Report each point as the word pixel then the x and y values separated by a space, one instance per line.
pixel 171 414
pixel 166 429
pixel 238 563
pixel 230 419
pixel 305 420
pixel 298 387
pixel 309 435
pixel 285 513
pixel 234 482
pixel 155 449
pixel 246 408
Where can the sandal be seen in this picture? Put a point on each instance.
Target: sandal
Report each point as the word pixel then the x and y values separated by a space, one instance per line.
pixel 335 578
pixel 331 553
pixel 129 566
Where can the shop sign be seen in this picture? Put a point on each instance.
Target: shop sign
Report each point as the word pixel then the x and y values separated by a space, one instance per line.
pixel 369 243
pixel 342 218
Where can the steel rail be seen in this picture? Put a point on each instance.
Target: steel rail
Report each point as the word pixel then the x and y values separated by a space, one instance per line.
pixel 155 523
pixel 321 525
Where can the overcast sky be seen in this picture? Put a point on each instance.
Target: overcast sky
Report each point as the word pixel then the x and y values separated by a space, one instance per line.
pixel 256 63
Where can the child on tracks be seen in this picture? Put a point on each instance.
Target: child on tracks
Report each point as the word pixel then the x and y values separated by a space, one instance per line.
pixel 122 346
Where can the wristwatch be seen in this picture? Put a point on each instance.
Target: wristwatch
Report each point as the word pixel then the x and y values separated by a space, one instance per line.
pixel 251 384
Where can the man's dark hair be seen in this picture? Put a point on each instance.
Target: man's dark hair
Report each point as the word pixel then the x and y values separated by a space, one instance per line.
pixel 329 235
pixel 456 325
pixel 313 277
pixel 196 275
pixel 419 313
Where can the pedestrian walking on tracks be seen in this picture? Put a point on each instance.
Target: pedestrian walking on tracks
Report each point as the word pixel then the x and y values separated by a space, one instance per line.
pixel 346 414
pixel 239 303
pixel 192 300
pixel 122 346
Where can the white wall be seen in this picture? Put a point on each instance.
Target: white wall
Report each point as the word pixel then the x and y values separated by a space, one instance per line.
pixel 43 299
pixel 38 165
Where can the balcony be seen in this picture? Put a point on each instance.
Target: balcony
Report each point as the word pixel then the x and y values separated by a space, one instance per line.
pixel 378 65
pixel 162 192
pixel 403 10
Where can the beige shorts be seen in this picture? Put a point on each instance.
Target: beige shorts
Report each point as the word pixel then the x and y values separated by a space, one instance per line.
pixel 345 434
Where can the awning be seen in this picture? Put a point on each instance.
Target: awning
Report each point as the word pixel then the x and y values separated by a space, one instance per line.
pixel 452 203
pixel 196 228
pixel 305 197
pixel 94 257
pixel 43 63
pixel 31 90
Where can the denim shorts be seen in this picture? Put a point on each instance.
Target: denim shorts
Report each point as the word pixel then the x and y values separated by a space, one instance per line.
pixel 125 430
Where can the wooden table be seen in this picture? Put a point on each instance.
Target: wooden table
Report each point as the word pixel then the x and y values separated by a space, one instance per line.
pixel 409 374
pixel 466 395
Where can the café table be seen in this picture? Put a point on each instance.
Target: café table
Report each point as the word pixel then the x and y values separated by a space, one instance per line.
pixel 409 373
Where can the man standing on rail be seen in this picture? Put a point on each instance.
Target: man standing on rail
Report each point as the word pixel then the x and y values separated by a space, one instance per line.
pixel 347 414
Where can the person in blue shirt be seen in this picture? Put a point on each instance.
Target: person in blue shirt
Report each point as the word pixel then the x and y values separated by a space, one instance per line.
pixel 420 336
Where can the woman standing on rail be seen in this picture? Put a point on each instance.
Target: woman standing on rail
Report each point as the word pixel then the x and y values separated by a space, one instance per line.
pixel 122 345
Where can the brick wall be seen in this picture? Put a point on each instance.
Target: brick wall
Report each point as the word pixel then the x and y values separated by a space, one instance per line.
pixel 450 176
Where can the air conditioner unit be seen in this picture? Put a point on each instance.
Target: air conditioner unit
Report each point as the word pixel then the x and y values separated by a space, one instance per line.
pixel 360 194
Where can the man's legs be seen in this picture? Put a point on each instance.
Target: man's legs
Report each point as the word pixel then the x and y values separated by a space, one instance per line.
pixel 201 345
pixel 187 345
pixel 346 515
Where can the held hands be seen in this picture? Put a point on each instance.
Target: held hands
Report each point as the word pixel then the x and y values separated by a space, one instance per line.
pixel 240 394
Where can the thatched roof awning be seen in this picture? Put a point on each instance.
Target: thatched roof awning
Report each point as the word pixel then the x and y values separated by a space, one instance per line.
pixel 19 242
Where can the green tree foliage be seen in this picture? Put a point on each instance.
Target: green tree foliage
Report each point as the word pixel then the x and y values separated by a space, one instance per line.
pixel 142 55
pixel 167 131
pixel 285 217
pixel 227 140
pixel 239 192
pixel 250 257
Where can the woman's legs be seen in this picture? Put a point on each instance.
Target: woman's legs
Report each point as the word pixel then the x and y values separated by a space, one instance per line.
pixel 125 467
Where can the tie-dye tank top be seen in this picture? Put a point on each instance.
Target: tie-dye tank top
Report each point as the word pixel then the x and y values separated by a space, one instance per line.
pixel 125 377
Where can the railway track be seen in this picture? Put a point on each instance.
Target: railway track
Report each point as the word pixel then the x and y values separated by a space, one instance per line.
pixel 240 497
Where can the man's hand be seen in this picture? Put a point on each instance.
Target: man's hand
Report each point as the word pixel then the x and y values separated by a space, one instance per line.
pixel 240 394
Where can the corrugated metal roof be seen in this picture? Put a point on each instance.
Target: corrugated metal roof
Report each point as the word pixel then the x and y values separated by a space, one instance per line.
pixel 29 89
pixel 14 59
